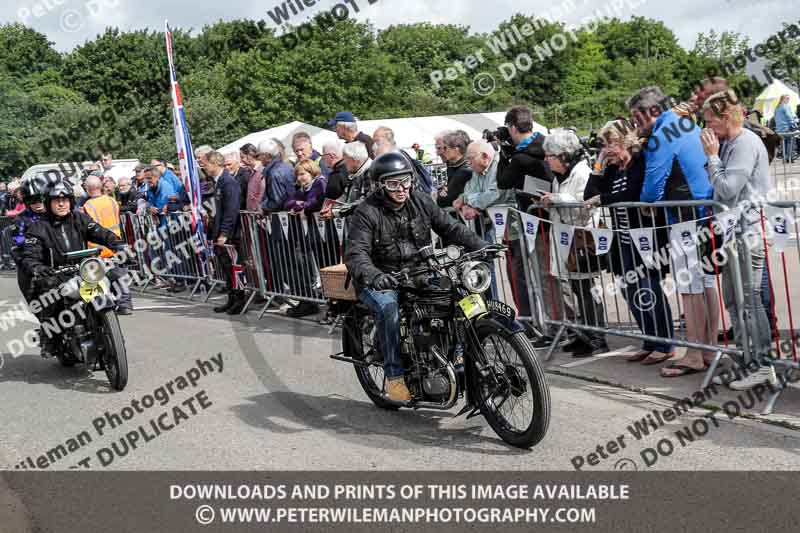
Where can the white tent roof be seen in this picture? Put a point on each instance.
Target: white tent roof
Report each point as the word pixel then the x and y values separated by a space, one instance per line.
pixel 770 98
pixel 407 131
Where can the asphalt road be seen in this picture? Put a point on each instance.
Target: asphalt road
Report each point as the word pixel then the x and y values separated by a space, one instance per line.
pixel 279 403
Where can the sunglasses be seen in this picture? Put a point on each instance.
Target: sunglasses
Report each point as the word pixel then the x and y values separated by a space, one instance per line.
pixel 395 184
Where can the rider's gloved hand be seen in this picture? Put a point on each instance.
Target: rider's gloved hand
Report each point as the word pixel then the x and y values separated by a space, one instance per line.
pixel 384 282
pixel 43 271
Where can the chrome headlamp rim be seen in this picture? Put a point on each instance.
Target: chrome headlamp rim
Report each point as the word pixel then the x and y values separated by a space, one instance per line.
pixel 453 252
pixel 92 270
pixel 484 272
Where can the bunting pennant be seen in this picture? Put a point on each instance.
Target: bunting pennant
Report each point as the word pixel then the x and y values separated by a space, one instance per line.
pixel 727 222
pixel 683 243
pixel 188 165
pixel 499 216
pixel 643 240
pixel 779 226
pixel 563 235
pixel 304 223
pixel 530 225
pixel 603 238
pixel 338 223
pixel 320 226
pixel 283 217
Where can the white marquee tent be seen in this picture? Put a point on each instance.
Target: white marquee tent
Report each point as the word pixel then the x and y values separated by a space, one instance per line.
pixel 770 98
pixel 407 131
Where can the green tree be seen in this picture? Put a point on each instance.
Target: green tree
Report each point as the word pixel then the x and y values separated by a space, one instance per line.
pixel 24 51
pixel 786 55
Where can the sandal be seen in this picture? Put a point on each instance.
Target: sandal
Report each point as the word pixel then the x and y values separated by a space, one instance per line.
pixel 650 360
pixel 638 356
pixel 684 370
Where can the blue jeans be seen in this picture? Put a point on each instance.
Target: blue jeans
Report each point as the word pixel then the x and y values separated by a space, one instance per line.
pixel 788 148
pixel 647 303
pixel 384 308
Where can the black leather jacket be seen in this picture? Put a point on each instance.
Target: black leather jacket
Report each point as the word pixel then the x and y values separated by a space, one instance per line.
pixel 383 239
pixel 47 240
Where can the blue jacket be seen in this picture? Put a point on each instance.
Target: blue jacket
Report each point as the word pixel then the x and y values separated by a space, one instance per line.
pixel 316 156
pixel 280 181
pixel 21 224
pixel 159 197
pixel 170 175
pixel 227 201
pixel 675 162
pixel 784 121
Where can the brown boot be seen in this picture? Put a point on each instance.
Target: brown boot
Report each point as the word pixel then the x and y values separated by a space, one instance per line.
pixel 397 391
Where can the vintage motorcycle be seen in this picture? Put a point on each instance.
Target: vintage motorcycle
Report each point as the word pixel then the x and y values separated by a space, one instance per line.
pixel 454 343
pixel 94 338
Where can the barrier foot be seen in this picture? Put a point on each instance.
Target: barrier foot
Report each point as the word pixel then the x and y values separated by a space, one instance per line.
pixel 773 398
pixel 336 323
pixel 266 306
pixel 711 369
pixel 210 290
pixel 194 289
pixel 249 301
pixel 556 339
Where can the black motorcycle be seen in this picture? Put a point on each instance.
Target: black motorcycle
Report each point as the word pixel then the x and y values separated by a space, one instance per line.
pixel 454 343
pixel 92 335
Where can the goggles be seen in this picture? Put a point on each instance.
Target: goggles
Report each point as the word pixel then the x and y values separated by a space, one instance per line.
pixel 394 184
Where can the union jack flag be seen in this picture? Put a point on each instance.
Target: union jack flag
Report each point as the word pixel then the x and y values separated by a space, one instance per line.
pixel 188 164
pixel 239 278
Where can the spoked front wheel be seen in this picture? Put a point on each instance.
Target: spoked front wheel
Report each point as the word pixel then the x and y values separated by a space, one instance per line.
pixel 358 342
pixel 115 359
pixel 511 391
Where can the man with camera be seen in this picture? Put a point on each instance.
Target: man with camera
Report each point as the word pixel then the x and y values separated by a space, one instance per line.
pixel 522 155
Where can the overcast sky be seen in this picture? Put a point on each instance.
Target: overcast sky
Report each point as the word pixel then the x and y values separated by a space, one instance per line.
pixel 71 22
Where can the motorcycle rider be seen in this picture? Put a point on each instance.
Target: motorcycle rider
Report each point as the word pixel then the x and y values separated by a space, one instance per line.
pixel 386 232
pixel 62 230
pixel 33 197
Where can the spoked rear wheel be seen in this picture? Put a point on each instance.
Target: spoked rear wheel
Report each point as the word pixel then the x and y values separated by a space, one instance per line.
pixel 358 342
pixel 512 393
pixel 115 359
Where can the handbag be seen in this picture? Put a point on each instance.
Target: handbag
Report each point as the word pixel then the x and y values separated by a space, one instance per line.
pixel 583 256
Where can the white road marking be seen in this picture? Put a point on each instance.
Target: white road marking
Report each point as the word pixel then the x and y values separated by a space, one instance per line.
pixel 622 351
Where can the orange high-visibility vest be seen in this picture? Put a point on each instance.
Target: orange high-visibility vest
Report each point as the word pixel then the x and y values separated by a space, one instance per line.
pixel 105 211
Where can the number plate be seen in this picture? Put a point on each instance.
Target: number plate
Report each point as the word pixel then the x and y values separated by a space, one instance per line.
pixel 88 292
pixel 473 305
pixel 500 307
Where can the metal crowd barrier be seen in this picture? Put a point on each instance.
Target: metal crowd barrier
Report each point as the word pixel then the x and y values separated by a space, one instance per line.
pixel 438 174
pixel 6 261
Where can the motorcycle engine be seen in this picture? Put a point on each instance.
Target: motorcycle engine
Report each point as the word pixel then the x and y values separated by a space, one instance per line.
pixel 436 386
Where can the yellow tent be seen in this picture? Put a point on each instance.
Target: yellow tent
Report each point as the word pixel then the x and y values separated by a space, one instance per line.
pixel 768 100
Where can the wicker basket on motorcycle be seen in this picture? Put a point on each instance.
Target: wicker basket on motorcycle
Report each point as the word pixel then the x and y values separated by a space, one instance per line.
pixel 333 283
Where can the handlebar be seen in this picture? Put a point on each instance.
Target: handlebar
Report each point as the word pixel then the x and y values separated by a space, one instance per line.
pixel 406 274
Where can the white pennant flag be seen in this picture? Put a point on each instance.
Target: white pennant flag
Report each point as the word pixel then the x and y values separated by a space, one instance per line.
pixel 320 226
pixel 602 240
pixel 776 218
pixel 683 243
pixel 530 225
pixel 304 222
pixel 284 219
pixel 338 223
pixel 727 222
pixel 499 216
pixel 563 234
pixel 643 240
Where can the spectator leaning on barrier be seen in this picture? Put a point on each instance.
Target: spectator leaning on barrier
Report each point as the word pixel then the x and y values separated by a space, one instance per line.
pixel 785 122
pixel 618 177
pixel 249 156
pixel 675 170
pixel 385 143
pixel 278 176
pixel 458 171
pixel 347 130
pixel 739 172
pixel 206 183
pixel 179 199
pixel 240 174
pixel 225 227
pixel 128 196
pixel 523 156
pixel 569 165
pixel 481 193
pixel 303 149
pixel 357 185
pixel 305 201
pixel 332 156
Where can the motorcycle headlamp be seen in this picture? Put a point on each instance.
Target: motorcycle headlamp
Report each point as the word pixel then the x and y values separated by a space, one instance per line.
pixel 453 252
pixel 92 270
pixel 476 276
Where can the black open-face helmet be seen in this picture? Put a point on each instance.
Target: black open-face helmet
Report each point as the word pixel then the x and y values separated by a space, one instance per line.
pixel 392 170
pixel 32 191
pixel 60 189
